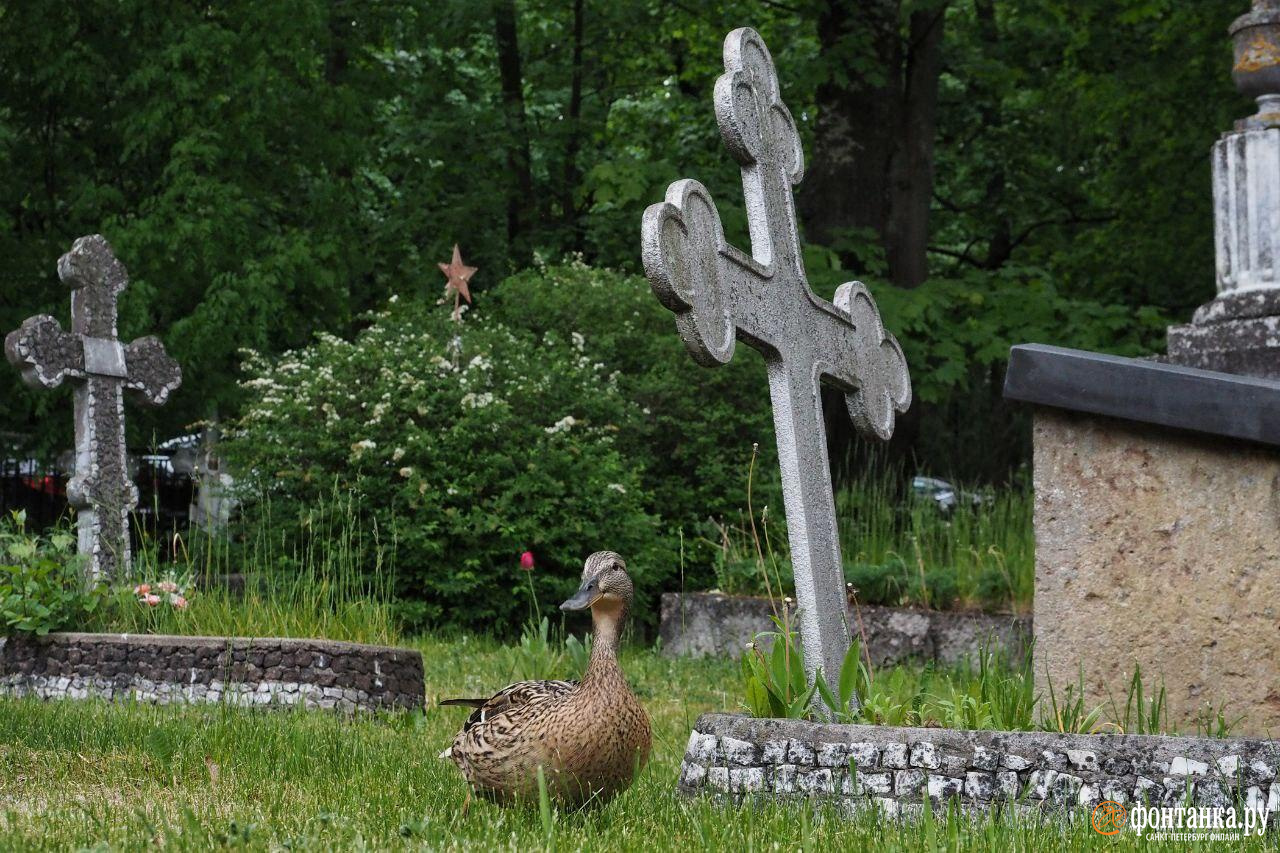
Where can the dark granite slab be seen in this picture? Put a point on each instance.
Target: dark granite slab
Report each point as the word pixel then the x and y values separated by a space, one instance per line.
pixel 1222 404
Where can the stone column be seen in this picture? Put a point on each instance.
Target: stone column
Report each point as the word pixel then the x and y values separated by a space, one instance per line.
pixel 1239 331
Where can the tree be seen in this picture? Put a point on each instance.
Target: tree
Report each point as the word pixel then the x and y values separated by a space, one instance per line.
pixel 872 163
pixel 522 207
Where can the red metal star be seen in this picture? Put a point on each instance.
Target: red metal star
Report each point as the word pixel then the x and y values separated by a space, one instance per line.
pixel 458 274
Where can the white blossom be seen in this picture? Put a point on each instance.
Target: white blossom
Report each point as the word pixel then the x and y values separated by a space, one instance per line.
pixel 562 425
pixel 477 401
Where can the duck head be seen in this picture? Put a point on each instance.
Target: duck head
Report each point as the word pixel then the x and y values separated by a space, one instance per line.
pixel 605 584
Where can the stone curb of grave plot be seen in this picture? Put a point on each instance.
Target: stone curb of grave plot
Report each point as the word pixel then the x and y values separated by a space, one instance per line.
pixel 712 623
pixel 860 767
pixel 161 669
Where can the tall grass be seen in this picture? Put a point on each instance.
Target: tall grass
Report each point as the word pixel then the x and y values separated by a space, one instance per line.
pixel 327 575
pixel 898 549
pixel 987 550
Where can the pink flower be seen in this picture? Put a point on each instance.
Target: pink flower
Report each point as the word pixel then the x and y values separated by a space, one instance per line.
pixel 142 589
pixel 167 586
pixel 150 600
pixel 526 561
pixel 178 602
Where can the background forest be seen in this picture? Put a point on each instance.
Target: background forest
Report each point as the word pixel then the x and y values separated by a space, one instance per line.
pixel 997 170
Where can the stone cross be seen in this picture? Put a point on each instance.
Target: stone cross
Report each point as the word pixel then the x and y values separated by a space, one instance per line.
pixel 102 368
pixel 718 292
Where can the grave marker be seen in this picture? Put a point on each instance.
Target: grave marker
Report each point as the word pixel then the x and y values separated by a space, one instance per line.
pixel 102 368
pixel 719 293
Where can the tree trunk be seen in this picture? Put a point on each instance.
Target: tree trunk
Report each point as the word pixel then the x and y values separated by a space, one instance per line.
pixel 569 183
pixel 846 187
pixel 1000 246
pixel 872 164
pixel 520 189
pixel 907 234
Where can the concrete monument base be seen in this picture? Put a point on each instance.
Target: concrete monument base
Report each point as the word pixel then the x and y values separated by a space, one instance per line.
pixel 1162 551
pixel 1157 517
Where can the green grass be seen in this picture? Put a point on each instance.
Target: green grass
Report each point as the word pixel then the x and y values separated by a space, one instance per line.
pixel 896 551
pixel 77 775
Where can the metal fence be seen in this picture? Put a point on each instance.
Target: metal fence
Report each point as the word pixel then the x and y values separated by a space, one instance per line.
pixel 164 497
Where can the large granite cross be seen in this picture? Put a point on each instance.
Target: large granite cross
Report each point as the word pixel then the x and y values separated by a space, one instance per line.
pixel 719 292
pixel 92 356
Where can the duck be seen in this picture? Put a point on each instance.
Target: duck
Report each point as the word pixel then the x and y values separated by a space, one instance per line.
pixel 591 737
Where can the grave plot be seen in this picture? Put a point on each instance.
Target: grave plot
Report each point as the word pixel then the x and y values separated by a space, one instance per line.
pixel 719 293
pixel 897 769
pixel 153 668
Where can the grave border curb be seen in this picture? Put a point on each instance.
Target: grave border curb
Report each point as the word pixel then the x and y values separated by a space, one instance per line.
pixel 242 671
pixel 740 758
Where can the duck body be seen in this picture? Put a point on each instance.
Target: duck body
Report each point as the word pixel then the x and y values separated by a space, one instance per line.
pixel 590 738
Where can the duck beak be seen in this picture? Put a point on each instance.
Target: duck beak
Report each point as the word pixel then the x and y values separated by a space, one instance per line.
pixel 581 600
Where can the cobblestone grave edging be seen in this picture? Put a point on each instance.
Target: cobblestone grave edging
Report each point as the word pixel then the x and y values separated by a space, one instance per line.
pixel 859 766
pixel 242 671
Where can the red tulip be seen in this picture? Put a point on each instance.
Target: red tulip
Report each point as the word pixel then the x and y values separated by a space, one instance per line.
pixel 526 561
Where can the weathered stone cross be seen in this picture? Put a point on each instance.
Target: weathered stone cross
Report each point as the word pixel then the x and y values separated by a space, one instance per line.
pixel 92 356
pixel 718 292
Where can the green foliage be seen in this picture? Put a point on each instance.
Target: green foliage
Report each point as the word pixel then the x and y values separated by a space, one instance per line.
pixel 1070 715
pixel 956 332
pixel 463 464
pixel 42 585
pixel 543 653
pixel 268 171
pixel 951 326
pixel 691 430
pixel 775 684
pixel 998 695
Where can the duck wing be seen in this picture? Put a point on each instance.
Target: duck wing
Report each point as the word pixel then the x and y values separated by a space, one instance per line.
pixel 511 697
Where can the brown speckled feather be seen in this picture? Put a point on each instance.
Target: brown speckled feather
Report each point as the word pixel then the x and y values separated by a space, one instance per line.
pixel 510 697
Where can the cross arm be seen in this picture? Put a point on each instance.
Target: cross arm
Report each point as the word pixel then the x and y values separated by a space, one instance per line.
pixel 152 372
pixel 854 350
pixel 719 293
pixel 716 291
pixel 43 353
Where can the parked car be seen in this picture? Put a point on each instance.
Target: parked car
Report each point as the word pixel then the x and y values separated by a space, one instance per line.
pixel 942 495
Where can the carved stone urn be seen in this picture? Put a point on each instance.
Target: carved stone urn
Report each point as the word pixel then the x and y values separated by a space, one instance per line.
pixel 1256 72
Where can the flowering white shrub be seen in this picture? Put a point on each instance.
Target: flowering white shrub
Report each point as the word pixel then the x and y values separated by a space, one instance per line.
pixel 690 429
pixel 467 459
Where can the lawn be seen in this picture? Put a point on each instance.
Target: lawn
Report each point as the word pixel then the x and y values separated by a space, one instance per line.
pixel 93 775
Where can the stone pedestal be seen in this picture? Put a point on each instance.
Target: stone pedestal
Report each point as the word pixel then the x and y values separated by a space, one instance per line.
pixel 1157 521
pixel 1239 331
